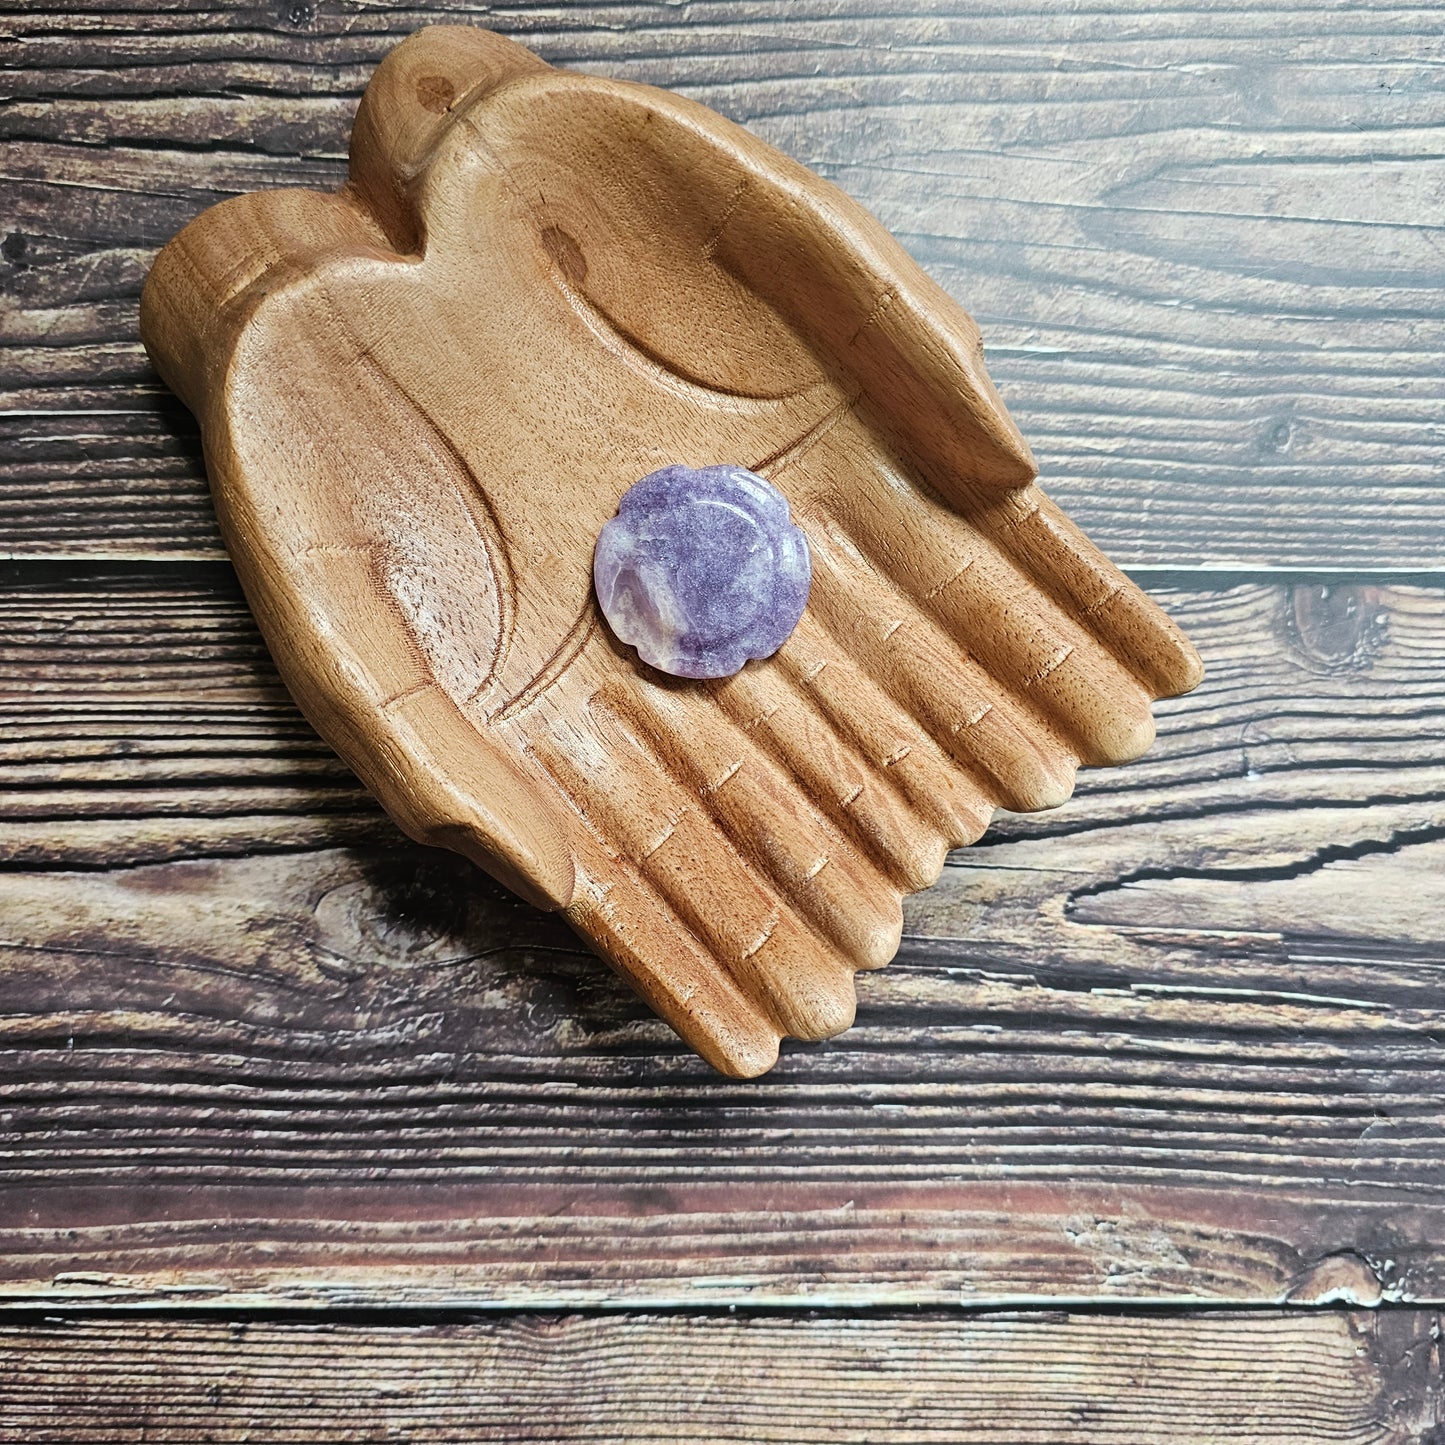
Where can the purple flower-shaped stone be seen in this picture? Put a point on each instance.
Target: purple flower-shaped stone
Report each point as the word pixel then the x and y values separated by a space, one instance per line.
pixel 701 569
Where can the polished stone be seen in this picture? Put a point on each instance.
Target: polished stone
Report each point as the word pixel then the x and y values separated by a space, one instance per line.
pixel 702 569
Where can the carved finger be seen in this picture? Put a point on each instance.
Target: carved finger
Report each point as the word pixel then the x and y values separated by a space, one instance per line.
pixel 858 797
pixel 363 684
pixel 870 311
pixel 664 834
pixel 625 918
pixel 894 744
pixel 981 726
pixel 809 863
pixel 982 595
pixel 1124 619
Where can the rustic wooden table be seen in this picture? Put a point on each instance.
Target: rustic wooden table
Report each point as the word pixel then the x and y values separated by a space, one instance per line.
pixel 308 1133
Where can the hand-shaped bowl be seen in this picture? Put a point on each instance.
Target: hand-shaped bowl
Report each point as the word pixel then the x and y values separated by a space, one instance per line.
pixel 422 397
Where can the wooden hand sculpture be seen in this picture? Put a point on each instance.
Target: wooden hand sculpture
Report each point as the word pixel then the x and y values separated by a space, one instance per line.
pixel 422 397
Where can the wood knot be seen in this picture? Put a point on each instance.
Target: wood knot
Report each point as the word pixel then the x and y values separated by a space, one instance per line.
pixel 435 93
pixel 1335 628
pixel 1346 1277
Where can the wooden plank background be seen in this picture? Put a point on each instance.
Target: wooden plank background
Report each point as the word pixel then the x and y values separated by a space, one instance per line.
pixel 1180 1043
pixel 918 1380
pixel 1202 241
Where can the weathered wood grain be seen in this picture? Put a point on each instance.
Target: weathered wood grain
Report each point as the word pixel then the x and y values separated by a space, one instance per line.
pixel 754 1240
pixel 1291 1378
pixel 1179 1040
pixel 1156 213
pixel 154 685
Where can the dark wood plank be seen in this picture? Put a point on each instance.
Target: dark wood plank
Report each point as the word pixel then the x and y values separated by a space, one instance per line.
pixel 145 705
pixel 1203 243
pixel 1292 1378
pixel 1179 1040
pixel 756 1239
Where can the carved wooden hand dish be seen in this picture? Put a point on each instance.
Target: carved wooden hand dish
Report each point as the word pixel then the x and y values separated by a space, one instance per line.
pixel 423 396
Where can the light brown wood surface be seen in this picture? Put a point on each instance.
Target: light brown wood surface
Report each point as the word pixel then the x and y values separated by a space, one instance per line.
pixel 421 399
pixel 1293 1379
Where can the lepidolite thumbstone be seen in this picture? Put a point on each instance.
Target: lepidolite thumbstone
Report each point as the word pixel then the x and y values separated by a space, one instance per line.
pixel 702 569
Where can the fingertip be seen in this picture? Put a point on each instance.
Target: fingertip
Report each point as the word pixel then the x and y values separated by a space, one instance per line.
pixel 919 862
pixel 1182 671
pixel 1050 784
pixel 739 1056
pixel 536 868
pixel 1121 735
pixel 825 1009
pixel 1007 460
pixel 880 941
